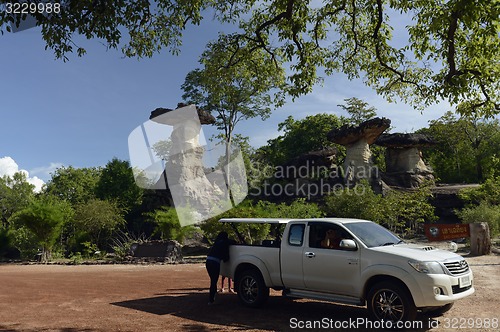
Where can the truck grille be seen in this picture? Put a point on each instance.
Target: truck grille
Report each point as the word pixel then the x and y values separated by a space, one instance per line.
pixel 456 289
pixel 457 267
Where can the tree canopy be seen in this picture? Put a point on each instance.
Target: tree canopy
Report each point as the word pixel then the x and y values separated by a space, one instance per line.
pixel 466 150
pixel 302 136
pixel 445 49
pixel 234 93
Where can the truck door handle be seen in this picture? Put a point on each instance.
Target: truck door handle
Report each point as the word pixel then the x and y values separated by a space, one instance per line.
pixel 310 254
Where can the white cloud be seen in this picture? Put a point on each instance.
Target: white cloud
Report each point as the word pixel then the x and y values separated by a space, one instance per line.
pixel 45 172
pixel 8 167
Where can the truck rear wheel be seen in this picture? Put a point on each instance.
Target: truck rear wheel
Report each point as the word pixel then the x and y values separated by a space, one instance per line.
pixel 390 301
pixel 252 289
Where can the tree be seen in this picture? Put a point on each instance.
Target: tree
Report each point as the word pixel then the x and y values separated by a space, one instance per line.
pixel 117 183
pixel 452 51
pixel 237 92
pixel 301 136
pixel 15 194
pixel 98 219
pixel 358 110
pixel 45 219
pixel 76 185
pixel 466 150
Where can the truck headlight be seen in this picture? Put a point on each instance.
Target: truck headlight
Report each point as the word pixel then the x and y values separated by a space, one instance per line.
pixel 427 267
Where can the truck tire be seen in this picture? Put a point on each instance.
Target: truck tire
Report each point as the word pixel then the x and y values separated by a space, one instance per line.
pixel 438 311
pixel 251 288
pixel 391 302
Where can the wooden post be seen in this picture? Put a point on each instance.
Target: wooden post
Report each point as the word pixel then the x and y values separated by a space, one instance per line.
pixel 480 241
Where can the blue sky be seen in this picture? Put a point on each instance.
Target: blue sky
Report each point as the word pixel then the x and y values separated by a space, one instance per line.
pixel 80 113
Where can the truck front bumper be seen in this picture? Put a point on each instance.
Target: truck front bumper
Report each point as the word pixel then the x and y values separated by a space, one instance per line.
pixel 440 289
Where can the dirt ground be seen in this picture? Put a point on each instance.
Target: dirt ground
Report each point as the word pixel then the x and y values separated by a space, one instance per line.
pixel 174 298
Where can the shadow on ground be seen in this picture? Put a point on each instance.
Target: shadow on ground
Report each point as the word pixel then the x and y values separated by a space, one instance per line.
pixel 278 314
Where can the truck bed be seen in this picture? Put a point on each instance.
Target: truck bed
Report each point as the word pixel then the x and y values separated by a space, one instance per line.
pixel 268 253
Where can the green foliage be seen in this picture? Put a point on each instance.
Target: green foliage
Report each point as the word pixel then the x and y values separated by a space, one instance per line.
pixel 358 110
pixel 482 205
pixel 168 226
pixel 97 220
pixel 302 136
pixel 467 148
pixel 401 212
pixel 452 50
pixel 405 212
pixel 15 194
pixel 484 212
pixel 117 184
pixel 45 219
pixel 262 209
pixel 75 185
pixel 359 202
pixel 25 241
pixel 242 86
pixel 488 192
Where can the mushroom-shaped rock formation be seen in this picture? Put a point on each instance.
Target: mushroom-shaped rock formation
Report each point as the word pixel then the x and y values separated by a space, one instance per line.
pixel 203 116
pixel 184 169
pixel 403 158
pixel 357 140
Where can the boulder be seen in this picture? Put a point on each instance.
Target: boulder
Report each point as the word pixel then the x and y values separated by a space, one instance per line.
pixel 168 251
pixel 308 165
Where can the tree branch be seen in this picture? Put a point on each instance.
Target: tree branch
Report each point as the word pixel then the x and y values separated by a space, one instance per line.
pixel 380 19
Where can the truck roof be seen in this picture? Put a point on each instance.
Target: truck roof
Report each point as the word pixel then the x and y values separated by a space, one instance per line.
pixel 287 220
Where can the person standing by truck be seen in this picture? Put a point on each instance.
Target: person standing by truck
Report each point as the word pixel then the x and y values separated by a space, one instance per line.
pixel 219 252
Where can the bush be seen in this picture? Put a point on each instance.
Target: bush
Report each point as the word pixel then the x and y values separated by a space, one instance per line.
pixel 262 209
pixel 359 202
pixel 26 242
pixel 483 212
pixel 401 212
pixel 168 226
pixel 488 192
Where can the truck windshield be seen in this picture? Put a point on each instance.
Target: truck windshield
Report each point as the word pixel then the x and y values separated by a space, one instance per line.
pixel 373 235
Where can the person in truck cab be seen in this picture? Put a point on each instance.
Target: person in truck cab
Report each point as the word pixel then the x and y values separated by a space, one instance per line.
pixel 332 240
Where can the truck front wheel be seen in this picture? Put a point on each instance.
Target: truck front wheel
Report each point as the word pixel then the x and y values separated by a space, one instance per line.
pixel 252 289
pixel 389 301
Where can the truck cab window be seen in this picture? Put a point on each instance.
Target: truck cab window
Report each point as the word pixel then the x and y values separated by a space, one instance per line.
pixel 296 235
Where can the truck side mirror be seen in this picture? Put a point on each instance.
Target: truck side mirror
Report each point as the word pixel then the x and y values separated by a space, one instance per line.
pixel 348 245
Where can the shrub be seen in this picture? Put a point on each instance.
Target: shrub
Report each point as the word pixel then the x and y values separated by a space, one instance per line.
pixel 401 212
pixel 262 209
pixel 359 202
pixel 488 192
pixel 168 226
pixel 483 212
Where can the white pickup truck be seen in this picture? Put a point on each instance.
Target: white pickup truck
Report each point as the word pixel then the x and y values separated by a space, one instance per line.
pixel 370 266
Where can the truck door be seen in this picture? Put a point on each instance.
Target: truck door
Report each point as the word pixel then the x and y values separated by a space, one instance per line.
pixel 292 247
pixel 326 267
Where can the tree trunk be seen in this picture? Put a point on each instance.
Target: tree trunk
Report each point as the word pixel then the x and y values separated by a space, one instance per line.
pixel 480 241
